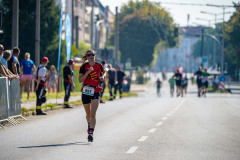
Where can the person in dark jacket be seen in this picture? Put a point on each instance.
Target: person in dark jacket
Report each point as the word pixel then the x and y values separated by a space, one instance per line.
pixel 68 82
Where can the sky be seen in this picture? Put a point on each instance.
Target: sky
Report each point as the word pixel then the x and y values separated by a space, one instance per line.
pixel 180 12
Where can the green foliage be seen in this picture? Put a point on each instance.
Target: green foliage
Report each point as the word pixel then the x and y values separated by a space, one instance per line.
pixel 83 47
pixel 231 48
pixel 50 105
pixel 140 77
pixel 49 28
pixel 24 110
pixel 74 51
pixel 78 85
pixel 232 39
pixel 142 26
pixel 158 48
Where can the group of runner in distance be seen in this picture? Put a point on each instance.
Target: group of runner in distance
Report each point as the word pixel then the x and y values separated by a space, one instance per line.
pixel 202 80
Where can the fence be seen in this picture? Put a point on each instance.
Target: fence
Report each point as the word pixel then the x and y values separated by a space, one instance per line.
pixel 10 103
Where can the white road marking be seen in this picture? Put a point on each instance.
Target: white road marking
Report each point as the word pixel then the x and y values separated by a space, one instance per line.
pixel 169 114
pixel 143 138
pixel 164 118
pixel 132 149
pixel 152 130
pixel 179 105
pixel 159 123
pixel 172 112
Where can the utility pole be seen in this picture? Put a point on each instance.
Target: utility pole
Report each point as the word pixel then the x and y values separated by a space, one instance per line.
pixel 116 37
pixel 37 35
pixel 202 46
pixel 73 4
pixel 92 24
pixel 222 57
pixel 15 23
pixel 77 35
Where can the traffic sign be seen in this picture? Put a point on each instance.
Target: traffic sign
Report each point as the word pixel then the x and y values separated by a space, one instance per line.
pixel 204 59
pixel 222 78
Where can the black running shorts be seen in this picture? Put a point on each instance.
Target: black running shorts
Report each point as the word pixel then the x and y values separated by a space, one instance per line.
pixel 199 83
pixel 86 99
pixel 205 84
pixel 178 83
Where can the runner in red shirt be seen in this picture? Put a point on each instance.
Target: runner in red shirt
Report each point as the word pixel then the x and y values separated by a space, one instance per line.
pixel 90 74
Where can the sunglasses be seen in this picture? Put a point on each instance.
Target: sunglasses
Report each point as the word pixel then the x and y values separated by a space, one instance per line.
pixel 91 54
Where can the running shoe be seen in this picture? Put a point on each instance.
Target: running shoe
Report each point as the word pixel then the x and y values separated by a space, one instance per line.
pixel 90 138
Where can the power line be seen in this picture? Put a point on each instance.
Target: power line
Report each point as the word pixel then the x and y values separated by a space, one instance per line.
pixel 195 4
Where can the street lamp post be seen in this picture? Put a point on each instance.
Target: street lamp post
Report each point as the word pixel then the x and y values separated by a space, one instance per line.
pixel 15 24
pixel 222 56
pixel 215 15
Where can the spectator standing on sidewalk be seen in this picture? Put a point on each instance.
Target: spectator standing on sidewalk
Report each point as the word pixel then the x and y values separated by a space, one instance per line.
pixel 68 82
pixel 3 61
pixel 13 63
pixel 27 65
pixel 40 85
pixel 5 70
pixel 52 79
pixel 112 80
pixel 103 81
pixel 119 83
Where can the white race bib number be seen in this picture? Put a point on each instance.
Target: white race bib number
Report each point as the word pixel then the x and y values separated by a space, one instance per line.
pixel 88 90
pixel 204 79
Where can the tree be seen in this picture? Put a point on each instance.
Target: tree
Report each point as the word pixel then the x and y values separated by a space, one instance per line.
pixel 232 48
pixel 50 15
pixel 142 26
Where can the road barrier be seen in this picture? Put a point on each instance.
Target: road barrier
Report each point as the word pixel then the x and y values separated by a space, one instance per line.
pixel 10 103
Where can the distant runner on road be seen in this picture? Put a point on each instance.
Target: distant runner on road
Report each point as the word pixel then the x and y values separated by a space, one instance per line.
pixel 178 78
pixel 184 84
pixel 199 80
pixel 172 84
pixel 159 85
pixel 205 77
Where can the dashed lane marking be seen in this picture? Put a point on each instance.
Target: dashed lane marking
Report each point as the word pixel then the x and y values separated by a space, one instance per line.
pixel 132 149
pixel 143 138
pixel 152 130
pixel 168 114
pixel 159 123
pixel 164 118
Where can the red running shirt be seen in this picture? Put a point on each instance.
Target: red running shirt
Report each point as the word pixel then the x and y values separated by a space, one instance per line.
pixel 93 78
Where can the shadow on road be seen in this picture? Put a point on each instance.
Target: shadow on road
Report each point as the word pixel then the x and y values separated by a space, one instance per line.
pixel 58 145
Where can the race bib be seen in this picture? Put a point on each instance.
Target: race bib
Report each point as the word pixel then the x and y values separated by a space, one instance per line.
pixel 88 90
pixel 204 79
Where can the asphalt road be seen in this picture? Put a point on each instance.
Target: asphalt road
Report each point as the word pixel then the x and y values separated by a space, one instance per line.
pixel 147 127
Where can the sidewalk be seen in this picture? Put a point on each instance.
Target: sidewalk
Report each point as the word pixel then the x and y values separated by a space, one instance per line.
pixel 32 104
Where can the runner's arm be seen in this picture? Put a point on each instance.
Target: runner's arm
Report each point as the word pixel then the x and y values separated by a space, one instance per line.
pixel 82 77
pixel 14 67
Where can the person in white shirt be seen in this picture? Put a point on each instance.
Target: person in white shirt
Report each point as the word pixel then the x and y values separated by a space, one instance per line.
pixel 40 75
